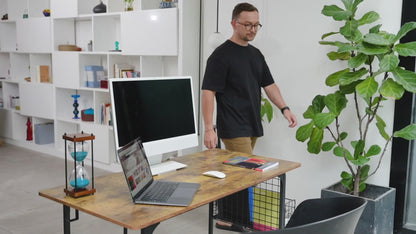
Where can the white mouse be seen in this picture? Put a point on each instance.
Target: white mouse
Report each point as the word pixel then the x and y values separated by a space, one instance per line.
pixel 216 174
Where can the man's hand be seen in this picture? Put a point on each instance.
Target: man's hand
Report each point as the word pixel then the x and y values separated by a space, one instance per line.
pixel 210 139
pixel 291 118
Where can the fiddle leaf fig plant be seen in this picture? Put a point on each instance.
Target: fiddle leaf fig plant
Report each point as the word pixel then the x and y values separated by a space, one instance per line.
pixel 371 76
pixel 266 109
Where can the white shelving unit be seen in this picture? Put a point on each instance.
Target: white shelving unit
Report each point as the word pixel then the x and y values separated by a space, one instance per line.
pixel 157 42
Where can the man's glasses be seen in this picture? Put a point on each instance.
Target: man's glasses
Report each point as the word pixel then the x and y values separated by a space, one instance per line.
pixel 249 26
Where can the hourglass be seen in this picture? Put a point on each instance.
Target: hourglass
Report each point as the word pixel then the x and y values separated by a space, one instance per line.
pixel 79 181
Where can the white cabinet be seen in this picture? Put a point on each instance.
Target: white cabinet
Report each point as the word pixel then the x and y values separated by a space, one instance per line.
pixel 34 35
pixel 8 36
pixel 150 32
pixel 66 69
pixel 64 8
pixel 37 99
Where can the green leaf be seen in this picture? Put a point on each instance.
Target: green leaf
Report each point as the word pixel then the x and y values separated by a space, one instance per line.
pixel 374 150
pixel 304 132
pixel 389 62
pixel 349 77
pixel 309 113
pixel 408 133
pixel 349 88
pixel 339 151
pixel 336 102
pixel 358 60
pixel 341 56
pixel 333 79
pixel 364 171
pixel 318 103
pixel 406 49
pixel 349 29
pixel 377 39
pixel 322 120
pixel 336 12
pixel 359 148
pixel 327 146
pixel 315 142
pixel 348 183
pixel 356 3
pixel 346 175
pixel 327 35
pixel 342 136
pixel 360 161
pixel 381 125
pixel 368 18
pixel 391 89
pixel 266 109
pixel 348 4
pixel 317 106
pixel 375 29
pixel 407 27
pixel 346 48
pixel 371 49
pixel 362 187
pixel 405 78
pixel 367 88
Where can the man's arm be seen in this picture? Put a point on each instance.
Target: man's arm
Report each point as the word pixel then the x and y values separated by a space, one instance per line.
pixel 210 137
pixel 273 93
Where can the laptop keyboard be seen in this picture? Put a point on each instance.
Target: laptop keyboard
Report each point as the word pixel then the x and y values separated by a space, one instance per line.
pixel 160 192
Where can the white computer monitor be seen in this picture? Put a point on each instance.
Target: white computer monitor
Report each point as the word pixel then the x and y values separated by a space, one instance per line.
pixel 160 110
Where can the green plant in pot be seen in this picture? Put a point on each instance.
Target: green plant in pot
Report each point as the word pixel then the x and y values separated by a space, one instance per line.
pixel 371 76
pixel 128 5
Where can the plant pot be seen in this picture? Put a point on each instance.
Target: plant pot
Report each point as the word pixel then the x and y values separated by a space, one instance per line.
pixel 128 6
pixel 378 215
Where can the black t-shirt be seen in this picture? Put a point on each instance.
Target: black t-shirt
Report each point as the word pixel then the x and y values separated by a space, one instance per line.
pixel 237 73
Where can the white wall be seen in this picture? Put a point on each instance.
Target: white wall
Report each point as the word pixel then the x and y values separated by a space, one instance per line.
pixel 289 40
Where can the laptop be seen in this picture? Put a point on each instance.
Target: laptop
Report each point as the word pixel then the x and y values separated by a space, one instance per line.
pixel 143 188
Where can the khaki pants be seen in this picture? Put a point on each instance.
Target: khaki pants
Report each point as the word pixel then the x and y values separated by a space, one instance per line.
pixel 235 207
pixel 240 144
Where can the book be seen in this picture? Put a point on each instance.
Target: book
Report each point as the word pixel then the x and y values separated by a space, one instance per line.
pixel 121 69
pixel 43 74
pixel 252 163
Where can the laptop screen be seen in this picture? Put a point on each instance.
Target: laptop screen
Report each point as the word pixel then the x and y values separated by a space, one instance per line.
pixel 136 167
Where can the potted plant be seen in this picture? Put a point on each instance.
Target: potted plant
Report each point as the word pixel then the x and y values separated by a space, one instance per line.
pixel 128 5
pixel 371 76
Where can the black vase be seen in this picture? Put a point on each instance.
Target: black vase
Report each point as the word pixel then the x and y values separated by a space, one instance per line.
pixel 100 8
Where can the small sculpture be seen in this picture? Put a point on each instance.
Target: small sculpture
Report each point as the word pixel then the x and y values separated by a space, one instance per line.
pixel 100 8
pixel 75 105
pixel 29 130
pixel 117 48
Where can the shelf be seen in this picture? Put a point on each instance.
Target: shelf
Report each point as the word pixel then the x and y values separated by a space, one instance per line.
pixel 151 47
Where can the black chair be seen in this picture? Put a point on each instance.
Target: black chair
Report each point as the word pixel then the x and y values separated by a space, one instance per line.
pixel 338 215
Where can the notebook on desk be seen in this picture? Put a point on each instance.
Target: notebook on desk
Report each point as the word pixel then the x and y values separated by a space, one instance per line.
pixel 143 188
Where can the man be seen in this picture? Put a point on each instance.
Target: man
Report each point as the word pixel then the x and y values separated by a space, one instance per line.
pixel 235 73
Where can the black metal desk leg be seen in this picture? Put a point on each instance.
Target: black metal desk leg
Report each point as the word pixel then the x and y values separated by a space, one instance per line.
pixel 150 229
pixel 67 220
pixel 211 218
pixel 282 207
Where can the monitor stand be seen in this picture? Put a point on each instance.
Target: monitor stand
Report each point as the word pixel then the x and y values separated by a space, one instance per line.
pixel 167 166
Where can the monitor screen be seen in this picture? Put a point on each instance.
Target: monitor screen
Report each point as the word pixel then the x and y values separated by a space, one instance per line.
pixel 159 110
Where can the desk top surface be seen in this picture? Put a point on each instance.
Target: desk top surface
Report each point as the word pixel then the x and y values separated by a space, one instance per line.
pixel 112 201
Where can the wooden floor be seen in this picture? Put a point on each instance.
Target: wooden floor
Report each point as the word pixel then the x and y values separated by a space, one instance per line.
pixel 23 173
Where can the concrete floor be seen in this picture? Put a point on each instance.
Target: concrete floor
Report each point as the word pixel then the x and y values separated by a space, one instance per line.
pixel 24 173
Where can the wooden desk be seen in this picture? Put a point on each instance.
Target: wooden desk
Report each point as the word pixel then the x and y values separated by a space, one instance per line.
pixel 112 201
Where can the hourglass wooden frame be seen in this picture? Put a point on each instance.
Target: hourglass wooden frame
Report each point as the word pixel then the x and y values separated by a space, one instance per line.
pixel 79 137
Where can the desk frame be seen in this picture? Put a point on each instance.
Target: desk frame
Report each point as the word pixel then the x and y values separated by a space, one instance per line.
pixel 197 163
